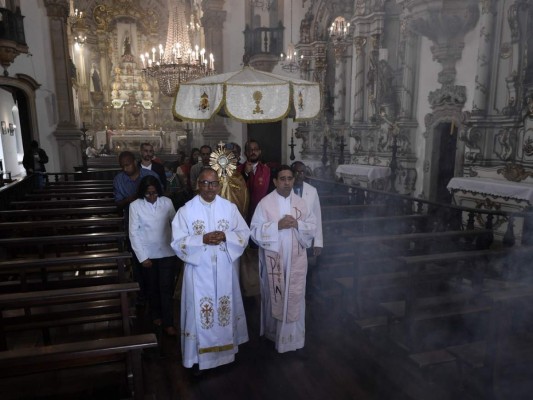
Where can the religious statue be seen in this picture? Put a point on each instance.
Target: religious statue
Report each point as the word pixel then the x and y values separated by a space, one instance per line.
pixel 95 84
pixel 127 46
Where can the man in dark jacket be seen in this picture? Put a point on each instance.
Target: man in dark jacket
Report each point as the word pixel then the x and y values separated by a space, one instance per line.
pixel 34 161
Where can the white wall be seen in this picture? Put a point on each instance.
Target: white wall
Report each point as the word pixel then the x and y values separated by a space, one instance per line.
pixel 467 66
pixel 39 66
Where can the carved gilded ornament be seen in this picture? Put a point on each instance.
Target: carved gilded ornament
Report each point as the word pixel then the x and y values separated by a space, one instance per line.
pixel 514 172
pixel 506 50
pixel 105 14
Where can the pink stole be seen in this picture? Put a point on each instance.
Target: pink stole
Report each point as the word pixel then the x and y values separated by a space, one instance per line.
pixel 298 269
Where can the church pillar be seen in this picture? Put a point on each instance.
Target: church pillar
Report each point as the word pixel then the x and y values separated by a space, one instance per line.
pixel 359 79
pixel 339 48
pixel 213 22
pixel 408 61
pixel 67 133
pixel 484 58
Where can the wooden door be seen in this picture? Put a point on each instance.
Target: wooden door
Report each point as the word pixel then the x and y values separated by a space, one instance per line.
pixel 447 134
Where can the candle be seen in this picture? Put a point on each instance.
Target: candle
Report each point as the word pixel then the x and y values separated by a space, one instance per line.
pixel 153 54
pixel 142 59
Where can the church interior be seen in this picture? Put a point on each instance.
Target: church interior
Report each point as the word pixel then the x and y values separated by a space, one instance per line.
pixel 414 119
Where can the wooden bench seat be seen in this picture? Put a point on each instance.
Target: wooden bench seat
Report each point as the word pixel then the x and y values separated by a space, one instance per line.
pixel 64 203
pixel 58 213
pixel 80 182
pixel 355 210
pixel 375 225
pixel 28 361
pixel 82 193
pixel 61 226
pixel 43 246
pixel 64 307
pixel 467 299
pixel 508 343
pixel 23 267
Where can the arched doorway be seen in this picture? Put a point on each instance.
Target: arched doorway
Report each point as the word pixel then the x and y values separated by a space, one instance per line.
pixel 18 109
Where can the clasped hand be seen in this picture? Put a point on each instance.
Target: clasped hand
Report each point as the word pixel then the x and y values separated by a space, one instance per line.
pixel 287 222
pixel 214 238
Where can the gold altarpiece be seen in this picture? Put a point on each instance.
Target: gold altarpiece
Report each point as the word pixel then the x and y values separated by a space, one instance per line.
pixel 118 103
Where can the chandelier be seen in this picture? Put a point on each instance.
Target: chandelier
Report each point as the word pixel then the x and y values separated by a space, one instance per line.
pixel 289 61
pixel 78 26
pixel 264 5
pixel 178 61
pixel 339 29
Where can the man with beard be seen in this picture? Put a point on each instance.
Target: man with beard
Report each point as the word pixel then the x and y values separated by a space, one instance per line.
pixel 205 155
pixel 256 174
pixel 147 155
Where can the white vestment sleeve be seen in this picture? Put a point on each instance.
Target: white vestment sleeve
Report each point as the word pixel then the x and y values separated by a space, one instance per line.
pixel 306 230
pixel 190 248
pixel 315 209
pixel 135 231
pixel 264 233
pixel 237 235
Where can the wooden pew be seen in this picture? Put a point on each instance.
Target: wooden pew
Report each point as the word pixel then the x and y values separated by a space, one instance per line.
pixel 26 269
pixel 508 343
pixel 375 267
pixel 424 305
pixel 43 310
pixel 394 224
pixel 70 189
pixel 61 226
pixel 58 213
pixel 86 182
pixel 43 246
pixel 351 211
pixel 63 203
pixel 80 194
pixel 128 349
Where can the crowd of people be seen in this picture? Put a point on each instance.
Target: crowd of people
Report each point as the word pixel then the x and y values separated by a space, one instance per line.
pixel 210 229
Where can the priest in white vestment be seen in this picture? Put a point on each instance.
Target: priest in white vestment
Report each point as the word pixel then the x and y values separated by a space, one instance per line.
pixel 209 235
pixel 283 227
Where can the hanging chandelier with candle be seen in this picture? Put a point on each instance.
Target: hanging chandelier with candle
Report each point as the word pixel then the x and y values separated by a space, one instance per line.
pixel 177 61
pixel 290 62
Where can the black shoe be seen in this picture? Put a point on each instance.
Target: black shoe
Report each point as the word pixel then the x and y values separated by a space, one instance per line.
pixel 196 371
pixel 302 354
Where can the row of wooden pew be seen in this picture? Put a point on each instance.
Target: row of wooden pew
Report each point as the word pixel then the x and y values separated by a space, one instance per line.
pixel 65 290
pixel 427 293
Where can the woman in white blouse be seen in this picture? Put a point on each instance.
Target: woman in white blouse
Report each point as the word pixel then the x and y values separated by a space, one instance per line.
pixel 150 231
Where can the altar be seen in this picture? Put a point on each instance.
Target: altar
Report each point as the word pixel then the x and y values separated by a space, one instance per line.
pixel 492 194
pixel 163 142
pixel 367 176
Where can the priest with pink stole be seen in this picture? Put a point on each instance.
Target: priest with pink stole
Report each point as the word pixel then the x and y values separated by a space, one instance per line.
pixel 283 227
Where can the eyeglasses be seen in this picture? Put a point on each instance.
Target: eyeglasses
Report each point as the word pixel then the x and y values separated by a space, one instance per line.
pixel 213 184
pixel 149 194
